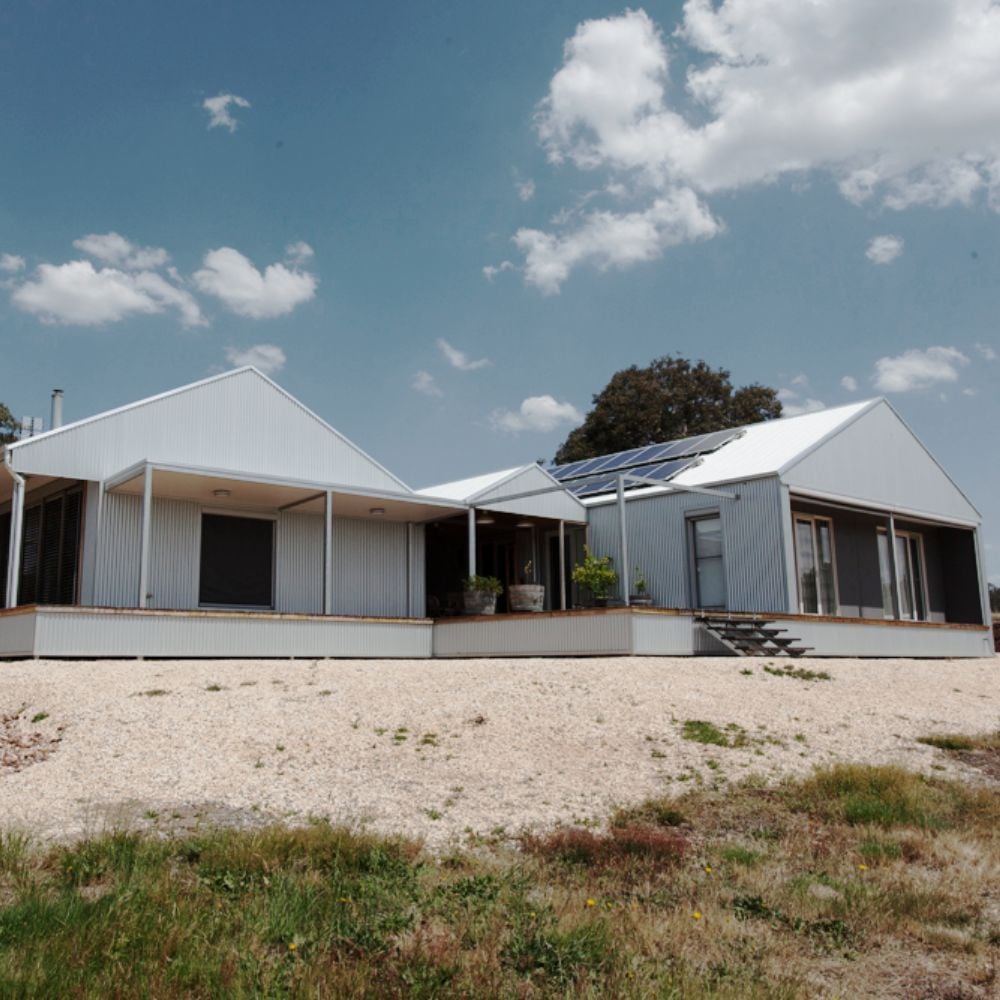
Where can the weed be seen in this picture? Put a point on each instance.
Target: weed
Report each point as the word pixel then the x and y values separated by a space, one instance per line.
pixel 798 673
pixel 39 716
pixel 325 692
pixel 746 672
pixel 960 743
pixel 215 687
pixel 154 692
pixel 741 856
pixel 704 732
pixel 428 740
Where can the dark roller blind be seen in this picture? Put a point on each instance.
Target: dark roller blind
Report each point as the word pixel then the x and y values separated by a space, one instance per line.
pixel 49 551
pixel 30 543
pixel 69 555
pixel 237 561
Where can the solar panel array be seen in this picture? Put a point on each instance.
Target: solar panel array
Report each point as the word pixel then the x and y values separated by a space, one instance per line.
pixel 656 461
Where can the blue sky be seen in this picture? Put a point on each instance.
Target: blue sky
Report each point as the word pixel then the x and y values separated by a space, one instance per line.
pixel 806 195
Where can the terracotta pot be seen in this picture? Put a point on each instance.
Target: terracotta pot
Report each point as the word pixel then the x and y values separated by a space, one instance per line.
pixel 479 602
pixel 527 597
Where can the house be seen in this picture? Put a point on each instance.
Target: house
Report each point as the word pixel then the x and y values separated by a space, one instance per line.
pixel 224 518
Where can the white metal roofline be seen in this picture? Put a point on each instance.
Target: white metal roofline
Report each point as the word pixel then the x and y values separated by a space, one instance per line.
pixel 133 471
pixel 195 385
pixel 556 485
pixel 874 507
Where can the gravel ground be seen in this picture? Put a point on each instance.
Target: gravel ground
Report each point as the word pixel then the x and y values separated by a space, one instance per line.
pixel 439 749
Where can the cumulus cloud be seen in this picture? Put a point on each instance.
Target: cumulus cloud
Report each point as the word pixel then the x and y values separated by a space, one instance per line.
pixel 219 115
pixel 424 382
pixel 884 249
pixel 986 352
pixel 114 249
pixel 916 369
pixel 797 401
pixel 299 253
pixel 526 189
pixel 77 293
pixel 614 240
pixel 897 103
pixel 243 289
pixel 490 271
pixel 459 359
pixel 536 413
pixel 850 383
pixel 11 263
pixel 266 358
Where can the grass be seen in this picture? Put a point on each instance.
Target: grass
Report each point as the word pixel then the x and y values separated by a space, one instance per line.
pixel 857 881
pixel 797 673
pixel 39 717
pixel 962 743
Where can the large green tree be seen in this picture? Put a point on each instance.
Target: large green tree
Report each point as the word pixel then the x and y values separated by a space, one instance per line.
pixel 668 399
pixel 8 426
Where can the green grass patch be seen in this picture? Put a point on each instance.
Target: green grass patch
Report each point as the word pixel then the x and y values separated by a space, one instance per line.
pixel 797 673
pixel 707 895
pixel 699 731
pixel 959 742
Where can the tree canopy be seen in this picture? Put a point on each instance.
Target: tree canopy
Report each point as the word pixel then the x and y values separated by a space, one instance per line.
pixel 668 399
pixel 8 426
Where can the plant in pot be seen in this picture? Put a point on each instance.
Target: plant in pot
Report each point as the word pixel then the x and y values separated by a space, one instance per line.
pixel 597 575
pixel 480 595
pixel 527 595
pixel 640 598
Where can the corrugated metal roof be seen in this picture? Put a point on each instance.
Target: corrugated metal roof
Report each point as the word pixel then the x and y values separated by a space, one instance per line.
pixel 465 489
pixel 763 449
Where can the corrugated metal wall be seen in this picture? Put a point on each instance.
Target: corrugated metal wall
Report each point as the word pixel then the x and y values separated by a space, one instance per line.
pixel 372 561
pixel 752 541
pixel 239 421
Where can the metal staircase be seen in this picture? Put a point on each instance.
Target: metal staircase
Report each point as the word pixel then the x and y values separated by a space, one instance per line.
pixel 749 636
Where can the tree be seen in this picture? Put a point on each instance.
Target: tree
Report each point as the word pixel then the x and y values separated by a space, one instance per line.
pixel 668 399
pixel 9 427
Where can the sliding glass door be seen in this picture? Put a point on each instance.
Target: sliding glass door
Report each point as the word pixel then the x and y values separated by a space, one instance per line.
pixel 911 580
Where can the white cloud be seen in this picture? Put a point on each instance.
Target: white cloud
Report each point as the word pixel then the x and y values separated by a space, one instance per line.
pixel 299 253
pixel 850 383
pixel 231 277
pixel 76 293
pixel 614 240
pixel 898 103
pixel 986 352
pixel 267 358
pixel 884 249
pixel 111 248
pixel 218 110
pixel 11 263
pixel 536 413
pixel 459 359
pixel 490 271
pixel 424 382
pixel 795 403
pixel 970 392
pixel 916 369
pixel 526 189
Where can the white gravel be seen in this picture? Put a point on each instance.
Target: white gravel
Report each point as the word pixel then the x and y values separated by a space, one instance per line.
pixel 439 748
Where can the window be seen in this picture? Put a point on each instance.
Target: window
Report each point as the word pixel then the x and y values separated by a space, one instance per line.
pixel 911 578
pixel 814 560
pixel 709 572
pixel 237 561
pixel 50 550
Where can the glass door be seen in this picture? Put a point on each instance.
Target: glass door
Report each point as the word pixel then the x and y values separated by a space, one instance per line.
pixel 910 577
pixel 709 573
pixel 815 564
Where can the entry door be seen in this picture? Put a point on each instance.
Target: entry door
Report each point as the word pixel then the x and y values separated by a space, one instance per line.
pixel 815 562
pixel 709 572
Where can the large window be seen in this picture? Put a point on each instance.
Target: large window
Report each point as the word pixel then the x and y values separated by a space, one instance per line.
pixel 815 565
pixel 237 561
pixel 911 578
pixel 709 572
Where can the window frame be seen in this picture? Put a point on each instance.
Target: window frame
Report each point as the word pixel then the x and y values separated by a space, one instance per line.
pixel 691 518
pixel 253 516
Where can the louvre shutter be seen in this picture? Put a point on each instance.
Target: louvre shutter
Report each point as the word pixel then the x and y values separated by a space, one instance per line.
pixel 49 549
pixel 69 556
pixel 31 537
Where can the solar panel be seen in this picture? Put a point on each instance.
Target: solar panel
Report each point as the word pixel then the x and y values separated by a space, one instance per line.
pixel 590 487
pixel 648 457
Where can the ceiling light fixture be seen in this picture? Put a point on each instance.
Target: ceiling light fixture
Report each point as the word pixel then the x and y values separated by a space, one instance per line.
pixel 222 494
pixel 485 519
pixel 525 524
pixel 376 511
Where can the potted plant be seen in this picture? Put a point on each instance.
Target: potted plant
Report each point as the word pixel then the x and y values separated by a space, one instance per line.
pixel 480 595
pixel 527 595
pixel 641 598
pixel 597 575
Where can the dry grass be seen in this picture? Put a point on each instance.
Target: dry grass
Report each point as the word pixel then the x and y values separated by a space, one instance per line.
pixel 856 882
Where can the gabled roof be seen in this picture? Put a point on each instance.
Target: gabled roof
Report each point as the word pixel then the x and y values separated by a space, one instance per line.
pixel 468 489
pixel 239 420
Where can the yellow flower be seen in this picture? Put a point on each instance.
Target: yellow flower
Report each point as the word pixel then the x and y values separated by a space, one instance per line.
pixel 708 869
pixel 533 914
pixel 292 946
pixel 863 868
pixel 590 902
pixel 696 915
